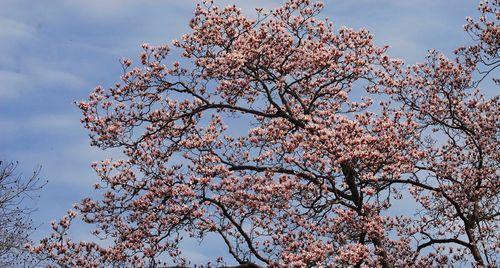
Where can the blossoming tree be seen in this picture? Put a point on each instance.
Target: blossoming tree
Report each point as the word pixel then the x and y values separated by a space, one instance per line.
pixel 267 136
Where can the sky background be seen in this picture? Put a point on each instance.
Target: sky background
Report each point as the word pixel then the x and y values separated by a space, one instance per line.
pixel 53 52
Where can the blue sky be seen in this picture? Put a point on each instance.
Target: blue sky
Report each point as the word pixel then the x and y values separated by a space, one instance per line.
pixel 54 52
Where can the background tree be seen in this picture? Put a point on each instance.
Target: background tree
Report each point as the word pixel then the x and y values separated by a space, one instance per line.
pixel 311 179
pixel 16 224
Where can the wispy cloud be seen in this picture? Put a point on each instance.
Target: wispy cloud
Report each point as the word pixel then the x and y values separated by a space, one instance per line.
pixel 35 76
pixel 14 29
pixel 10 82
pixel 36 123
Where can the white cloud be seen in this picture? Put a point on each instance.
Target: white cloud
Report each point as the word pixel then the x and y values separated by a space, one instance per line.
pixel 10 82
pixel 50 76
pixel 111 9
pixel 53 122
pixel 11 29
pixel 34 76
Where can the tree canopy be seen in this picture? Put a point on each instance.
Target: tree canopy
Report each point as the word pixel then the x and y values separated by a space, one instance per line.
pixel 292 140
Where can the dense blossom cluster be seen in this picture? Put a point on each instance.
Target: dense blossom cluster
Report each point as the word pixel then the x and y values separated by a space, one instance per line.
pixel 312 179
